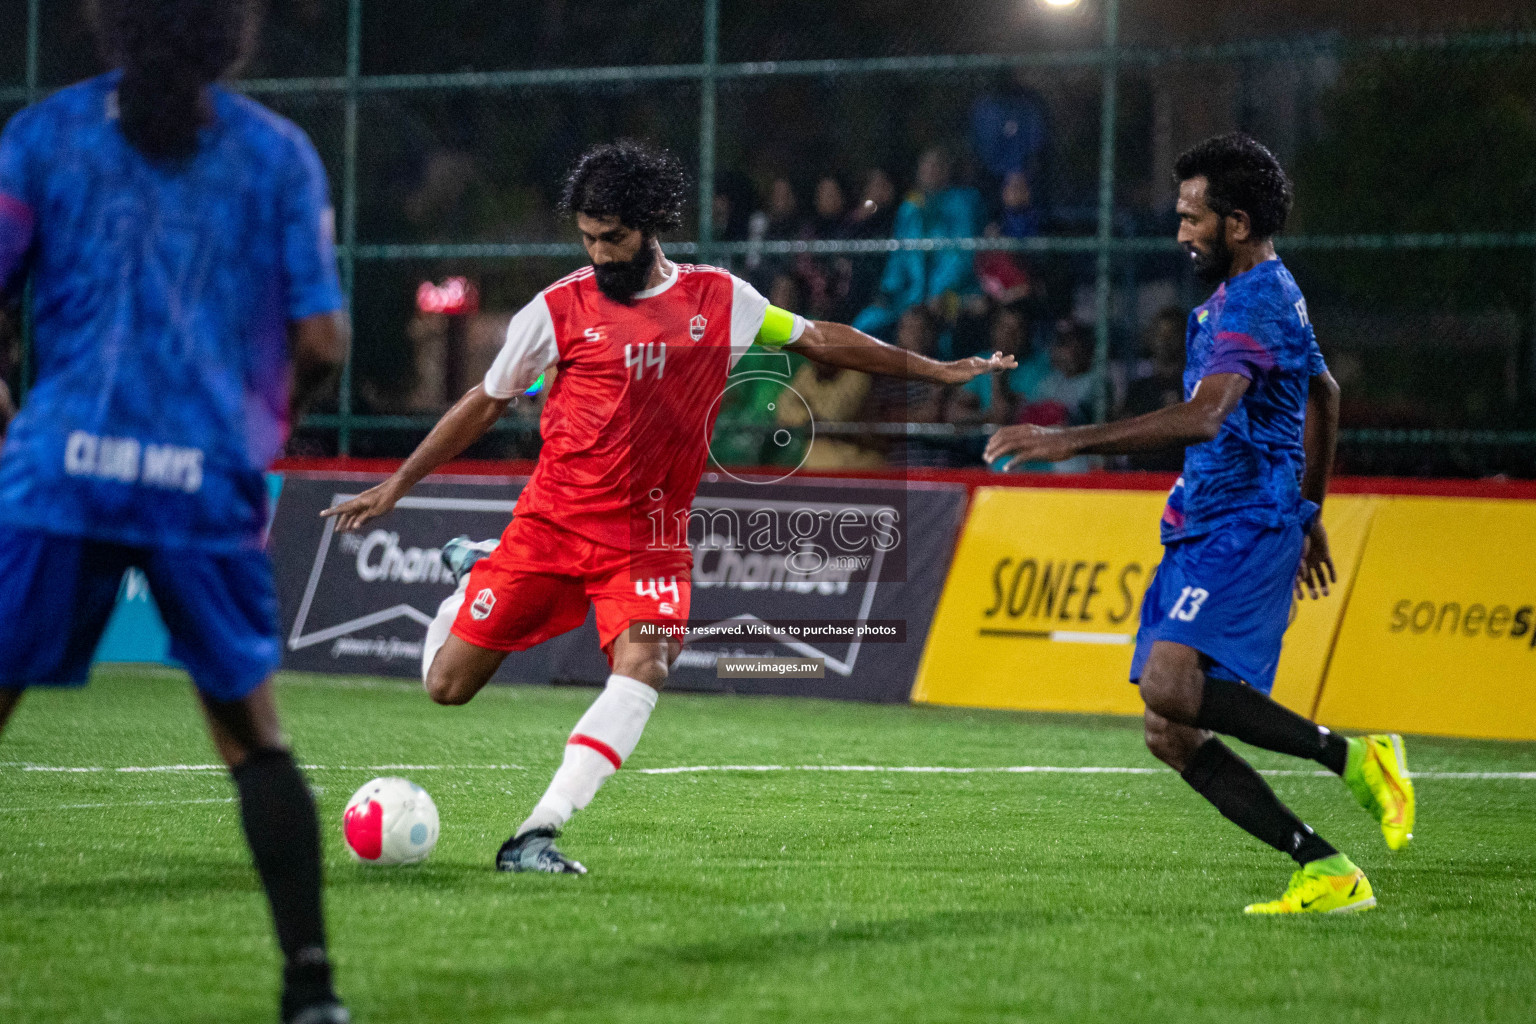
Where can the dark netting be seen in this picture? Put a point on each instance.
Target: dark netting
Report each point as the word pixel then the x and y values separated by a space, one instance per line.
pixel 469 166
pixel 808 30
pixel 870 157
pixel 467 35
pixel 13 44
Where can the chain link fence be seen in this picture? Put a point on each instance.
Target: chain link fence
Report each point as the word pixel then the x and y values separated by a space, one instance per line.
pixel 1034 145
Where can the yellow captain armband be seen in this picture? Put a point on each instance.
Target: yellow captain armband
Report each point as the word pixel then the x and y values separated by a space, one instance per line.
pixel 780 327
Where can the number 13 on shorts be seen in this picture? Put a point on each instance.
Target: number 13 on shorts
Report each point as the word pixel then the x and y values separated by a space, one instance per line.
pixel 1188 605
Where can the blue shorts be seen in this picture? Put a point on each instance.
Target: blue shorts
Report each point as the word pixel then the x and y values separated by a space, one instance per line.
pixel 57 592
pixel 1227 594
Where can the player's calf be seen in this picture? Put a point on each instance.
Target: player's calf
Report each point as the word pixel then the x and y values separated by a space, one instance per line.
pixel 1176 685
pixel 282 829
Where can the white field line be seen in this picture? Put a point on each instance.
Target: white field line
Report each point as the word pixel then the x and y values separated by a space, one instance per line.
pixel 116 803
pixel 761 768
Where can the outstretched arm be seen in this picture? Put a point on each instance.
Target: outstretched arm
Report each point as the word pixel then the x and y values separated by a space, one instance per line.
pixel 1192 422
pixel 842 346
pixel 460 427
pixel 530 349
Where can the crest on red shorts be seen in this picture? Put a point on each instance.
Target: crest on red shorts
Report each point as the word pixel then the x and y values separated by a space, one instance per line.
pixel 696 327
pixel 484 602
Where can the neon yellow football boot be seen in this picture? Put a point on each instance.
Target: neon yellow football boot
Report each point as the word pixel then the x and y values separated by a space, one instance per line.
pixel 1332 886
pixel 1377 774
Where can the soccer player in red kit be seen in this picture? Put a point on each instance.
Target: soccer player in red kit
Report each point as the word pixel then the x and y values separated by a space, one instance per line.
pixel 642 348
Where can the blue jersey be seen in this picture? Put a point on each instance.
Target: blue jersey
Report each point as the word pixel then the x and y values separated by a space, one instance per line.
pixel 162 295
pixel 1256 325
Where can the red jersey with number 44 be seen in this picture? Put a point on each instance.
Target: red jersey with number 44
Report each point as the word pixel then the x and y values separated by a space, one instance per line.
pixel 627 424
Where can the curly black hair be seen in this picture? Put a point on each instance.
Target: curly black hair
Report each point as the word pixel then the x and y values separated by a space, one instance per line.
pixel 643 186
pixel 169 51
pixel 1241 174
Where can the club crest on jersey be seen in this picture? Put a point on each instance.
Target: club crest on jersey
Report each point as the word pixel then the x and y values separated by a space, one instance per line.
pixel 484 602
pixel 696 327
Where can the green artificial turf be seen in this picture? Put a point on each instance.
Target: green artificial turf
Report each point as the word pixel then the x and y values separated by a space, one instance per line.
pixel 742 896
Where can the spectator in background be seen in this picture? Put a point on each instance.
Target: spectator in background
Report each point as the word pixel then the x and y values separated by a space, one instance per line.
pixel 899 401
pixel 873 216
pixel 1009 130
pixel 997 397
pixel 1019 217
pixel 1161 386
pixel 824 279
pixel 1007 277
pixel 785 293
pixel 830 209
pixel 1067 395
pixel 733 203
pixel 778 221
pixel 830 395
pixel 935 209
pixel 781 219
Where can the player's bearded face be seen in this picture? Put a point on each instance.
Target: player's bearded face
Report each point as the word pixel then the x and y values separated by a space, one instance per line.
pixel 621 279
pixel 1211 258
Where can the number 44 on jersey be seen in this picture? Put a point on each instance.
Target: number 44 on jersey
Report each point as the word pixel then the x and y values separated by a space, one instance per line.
pixel 643 357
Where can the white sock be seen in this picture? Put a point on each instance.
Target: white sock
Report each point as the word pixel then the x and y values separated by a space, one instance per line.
pixel 602 740
pixel 442 626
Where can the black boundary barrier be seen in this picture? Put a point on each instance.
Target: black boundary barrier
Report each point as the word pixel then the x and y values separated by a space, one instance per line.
pixel 838 552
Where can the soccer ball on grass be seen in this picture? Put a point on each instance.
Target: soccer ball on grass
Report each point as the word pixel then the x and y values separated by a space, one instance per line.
pixel 390 821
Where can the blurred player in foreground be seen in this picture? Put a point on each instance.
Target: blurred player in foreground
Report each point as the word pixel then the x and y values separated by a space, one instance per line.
pixel 186 306
pixel 643 347
pixel 1242 529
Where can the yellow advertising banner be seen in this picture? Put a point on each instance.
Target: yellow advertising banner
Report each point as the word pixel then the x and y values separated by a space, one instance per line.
pixel 1309 639
pixel 1042 601
pixel 1440 635
pixel 1044 597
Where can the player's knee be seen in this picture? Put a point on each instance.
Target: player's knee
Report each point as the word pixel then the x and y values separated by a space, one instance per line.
pixel 1156 693
pixel 1170 692
pixel 1157 734
pixel 648 662
pixel 446 687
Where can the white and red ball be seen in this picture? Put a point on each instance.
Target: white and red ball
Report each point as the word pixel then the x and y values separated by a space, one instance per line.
pixel 390 821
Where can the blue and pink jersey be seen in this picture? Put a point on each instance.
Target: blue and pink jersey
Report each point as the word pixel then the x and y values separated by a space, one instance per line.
pixel 1256 325
pixel 162 295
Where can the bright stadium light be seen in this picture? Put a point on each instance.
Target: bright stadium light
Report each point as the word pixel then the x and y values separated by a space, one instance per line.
pixel 1060 4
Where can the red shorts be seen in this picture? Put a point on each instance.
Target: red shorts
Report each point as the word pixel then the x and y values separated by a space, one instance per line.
pixel 540 580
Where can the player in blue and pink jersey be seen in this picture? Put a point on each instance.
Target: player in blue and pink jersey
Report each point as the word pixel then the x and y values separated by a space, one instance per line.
pixel 185 302
pixel 1242 529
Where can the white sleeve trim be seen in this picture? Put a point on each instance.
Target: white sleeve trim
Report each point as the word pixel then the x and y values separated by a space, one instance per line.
pixel 748 307
pixel 529 350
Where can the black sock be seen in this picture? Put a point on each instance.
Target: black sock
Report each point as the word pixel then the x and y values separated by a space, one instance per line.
pixel 284 835
pixel 1236 709
pixel 1245 799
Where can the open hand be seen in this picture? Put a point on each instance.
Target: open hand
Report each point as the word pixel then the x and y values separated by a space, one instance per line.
pixel 1316 570
pixel 962 370
pixel 371 504
pixel 1026 442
